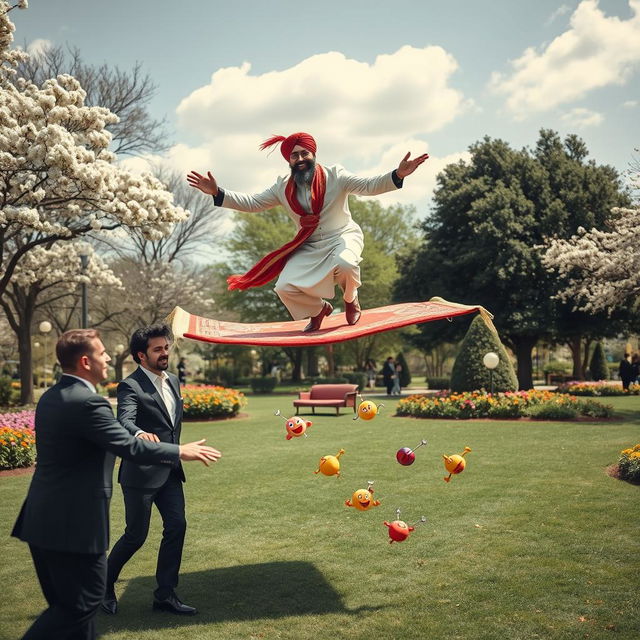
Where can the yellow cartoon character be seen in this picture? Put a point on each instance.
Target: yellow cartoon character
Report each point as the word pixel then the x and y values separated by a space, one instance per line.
pixel 455 464
pixel 330 465
pixel 367 410
pixel 362 499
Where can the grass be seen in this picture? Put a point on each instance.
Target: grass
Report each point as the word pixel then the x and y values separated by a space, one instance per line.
pixel 533 540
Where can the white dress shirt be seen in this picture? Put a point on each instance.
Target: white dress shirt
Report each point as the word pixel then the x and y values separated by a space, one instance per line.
pixel 161 383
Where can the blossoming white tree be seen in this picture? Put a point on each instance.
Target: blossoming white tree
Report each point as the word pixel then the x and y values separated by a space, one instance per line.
pixel 58 180
pixel 602 267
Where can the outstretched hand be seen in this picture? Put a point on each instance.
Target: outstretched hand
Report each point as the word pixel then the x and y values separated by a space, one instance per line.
pixel 407 167
pixel 207 185
pixel 199 451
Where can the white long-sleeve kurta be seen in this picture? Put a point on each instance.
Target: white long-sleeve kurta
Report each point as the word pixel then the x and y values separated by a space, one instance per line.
pixel 337 240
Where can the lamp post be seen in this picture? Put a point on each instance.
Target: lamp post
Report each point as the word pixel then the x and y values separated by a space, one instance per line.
pixel 491 360
pixel 45 327
pixel 84 263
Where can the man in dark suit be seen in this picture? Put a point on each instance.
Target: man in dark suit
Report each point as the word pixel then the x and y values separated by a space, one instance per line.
pixel 150 406
pixel 65 517
pixel 389 374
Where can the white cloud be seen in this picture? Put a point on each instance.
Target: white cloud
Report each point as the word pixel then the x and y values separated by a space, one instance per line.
pixel 596 51
pixel 363 116
pixel 630 104
pixel 581 117
pixel 39 46
pixel 558 13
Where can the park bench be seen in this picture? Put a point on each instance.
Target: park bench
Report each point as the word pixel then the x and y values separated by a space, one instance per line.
pixel 328 395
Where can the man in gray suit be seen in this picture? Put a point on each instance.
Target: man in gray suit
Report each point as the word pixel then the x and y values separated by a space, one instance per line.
pixel 65 517
pixel 150 407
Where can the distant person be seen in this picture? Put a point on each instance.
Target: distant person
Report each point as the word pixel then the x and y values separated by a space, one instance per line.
pixel 395 389
pixel 65 517
pixel 626 371
pixel 370 372
pixel 388 374
pixel 635 371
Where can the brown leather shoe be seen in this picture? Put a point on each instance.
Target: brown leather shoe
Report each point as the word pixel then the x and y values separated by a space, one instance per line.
pixel 352 311
pixel 316 321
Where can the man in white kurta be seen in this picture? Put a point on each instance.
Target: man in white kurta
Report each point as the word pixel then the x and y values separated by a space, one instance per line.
pixel 331 254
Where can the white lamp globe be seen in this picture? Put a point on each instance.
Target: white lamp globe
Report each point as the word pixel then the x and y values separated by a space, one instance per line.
pixel 491 360
pixel 45 326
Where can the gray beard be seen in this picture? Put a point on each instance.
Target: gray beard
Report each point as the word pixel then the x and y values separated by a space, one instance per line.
pixel 303 177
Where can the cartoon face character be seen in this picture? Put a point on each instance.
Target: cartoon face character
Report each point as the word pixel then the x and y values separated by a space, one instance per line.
pixel 330 465
pixel 362 499
pixel 455 464
pixel 296 427
pixel 399 530
pixel 367 410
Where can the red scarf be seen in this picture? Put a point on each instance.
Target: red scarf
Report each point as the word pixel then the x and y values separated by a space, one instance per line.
pixel 272 264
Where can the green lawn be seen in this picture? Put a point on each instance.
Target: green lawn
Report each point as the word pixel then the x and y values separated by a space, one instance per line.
pixel 533 540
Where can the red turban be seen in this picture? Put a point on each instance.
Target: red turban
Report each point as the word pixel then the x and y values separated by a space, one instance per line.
pixel 303 139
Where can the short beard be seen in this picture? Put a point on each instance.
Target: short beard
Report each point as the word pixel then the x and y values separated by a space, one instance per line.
pixel 304 177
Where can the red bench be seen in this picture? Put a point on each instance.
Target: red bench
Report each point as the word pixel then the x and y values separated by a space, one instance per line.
pixel 328 395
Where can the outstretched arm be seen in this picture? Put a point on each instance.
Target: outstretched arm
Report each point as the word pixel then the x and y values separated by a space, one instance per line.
pixel 207 184
pixel 407 167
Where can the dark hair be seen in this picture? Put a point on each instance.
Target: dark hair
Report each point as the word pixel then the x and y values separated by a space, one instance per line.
pixel 140 338
pixel 74 344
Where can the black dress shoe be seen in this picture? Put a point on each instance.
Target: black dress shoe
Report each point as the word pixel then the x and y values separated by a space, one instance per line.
pixel 110 602
pixel 316 321
pixel 172 604
pixel 352 311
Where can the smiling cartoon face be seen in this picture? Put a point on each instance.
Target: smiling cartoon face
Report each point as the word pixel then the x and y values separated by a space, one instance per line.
pixel 296 427
pixel 362 500
pixel 367 410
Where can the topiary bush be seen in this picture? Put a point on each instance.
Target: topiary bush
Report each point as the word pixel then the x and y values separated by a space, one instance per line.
pixel 265 384
pixel 598 366
pixel 405 374
pixel 469 372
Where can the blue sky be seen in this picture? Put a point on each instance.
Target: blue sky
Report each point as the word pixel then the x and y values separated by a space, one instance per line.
pixel 370 80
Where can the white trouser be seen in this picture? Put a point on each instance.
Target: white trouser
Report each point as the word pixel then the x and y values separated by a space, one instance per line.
pixel 306 302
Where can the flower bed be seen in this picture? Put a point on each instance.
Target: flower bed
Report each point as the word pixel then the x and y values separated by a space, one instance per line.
pixel 17 439
pixel 602 388
pixel 629 464
pixel 542 405
pixel 207 402
pixel 112 389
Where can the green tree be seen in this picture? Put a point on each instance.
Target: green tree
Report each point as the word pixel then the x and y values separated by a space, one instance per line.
pixel 469 372
pixel 481 243
pixel 598 365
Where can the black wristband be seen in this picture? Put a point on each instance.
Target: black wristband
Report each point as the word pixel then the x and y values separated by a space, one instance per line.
pixel 219 197
pixel 397 180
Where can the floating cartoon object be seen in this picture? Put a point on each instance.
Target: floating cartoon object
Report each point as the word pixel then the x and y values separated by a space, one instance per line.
pixel 367 410
pixel 455 464
pixel 362 499
pixel 295 426
pixel 399 530
pixel 406 456
pixel 330 465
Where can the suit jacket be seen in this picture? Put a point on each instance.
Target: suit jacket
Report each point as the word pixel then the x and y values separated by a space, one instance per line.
pixel 141 407
pixel 388 371
pixel 77 439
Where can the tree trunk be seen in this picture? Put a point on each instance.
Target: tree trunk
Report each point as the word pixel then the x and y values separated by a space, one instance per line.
pixel 575 345
pixel 295 355
pixel 312 362
pixel 523 346
pixel 118 365
pixel 585 359
pixel 26 364
pixel 331 363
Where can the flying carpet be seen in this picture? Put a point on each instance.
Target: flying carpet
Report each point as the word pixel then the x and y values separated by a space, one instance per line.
pixel 334 327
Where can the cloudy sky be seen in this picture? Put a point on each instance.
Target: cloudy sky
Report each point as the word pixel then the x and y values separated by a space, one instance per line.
pixel 369 79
